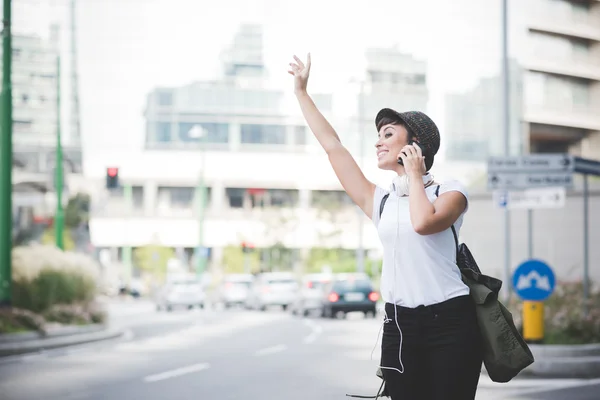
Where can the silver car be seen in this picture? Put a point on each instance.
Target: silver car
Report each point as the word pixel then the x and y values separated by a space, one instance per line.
pixel 309 297
pixel 185 293
pixel 234 289
pixel 272 289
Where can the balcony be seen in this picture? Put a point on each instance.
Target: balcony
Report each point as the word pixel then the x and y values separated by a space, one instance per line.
pixel 585 26
pixel 587 118
pixel 585 67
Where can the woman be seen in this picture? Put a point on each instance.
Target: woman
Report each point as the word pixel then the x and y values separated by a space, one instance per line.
pixel 431 347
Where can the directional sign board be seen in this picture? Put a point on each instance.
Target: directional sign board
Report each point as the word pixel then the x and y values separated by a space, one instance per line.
pixel 532 163
pixel 533 280
pixel 531 171
pixel 529 180
pixel 551 197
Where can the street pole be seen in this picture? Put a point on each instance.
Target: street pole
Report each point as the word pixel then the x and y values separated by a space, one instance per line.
pixel 361 223
pixel 201 195
pixel 586 245
pixel 530 233
pixel 59 218
pixel 6 162
pixel 506 127
pixel 128 196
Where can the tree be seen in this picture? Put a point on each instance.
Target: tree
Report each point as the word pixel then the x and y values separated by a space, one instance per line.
pixel 49 238
pixel 278 223
pixel 77 210
pixel 233 260
pixel 153 258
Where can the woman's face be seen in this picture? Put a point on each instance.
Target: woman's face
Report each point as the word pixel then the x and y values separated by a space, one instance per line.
pixel 392 138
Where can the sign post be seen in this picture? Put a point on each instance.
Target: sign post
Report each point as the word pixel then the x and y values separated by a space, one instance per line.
pixel 540 181
pixel 534 282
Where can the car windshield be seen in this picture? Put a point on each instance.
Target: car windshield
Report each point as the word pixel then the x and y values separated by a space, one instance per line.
pixel 280 281
pixel 238 284
pixel 350 285
pixel 316 284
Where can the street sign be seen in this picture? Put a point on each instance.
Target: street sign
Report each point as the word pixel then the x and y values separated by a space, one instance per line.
pixel 533 280
pixel 203 252
pixel 501 198
pixel 511 180
pixel 551 197
pixel 586 166
pixel 532 163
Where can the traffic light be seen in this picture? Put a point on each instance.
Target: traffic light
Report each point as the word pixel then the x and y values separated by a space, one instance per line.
pixel 112 178
pixel 247 247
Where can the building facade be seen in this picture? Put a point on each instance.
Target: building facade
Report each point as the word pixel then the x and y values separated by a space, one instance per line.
pixel 269 182
pixel 555 87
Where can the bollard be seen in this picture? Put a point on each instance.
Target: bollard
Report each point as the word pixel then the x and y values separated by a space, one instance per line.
pixel 533 321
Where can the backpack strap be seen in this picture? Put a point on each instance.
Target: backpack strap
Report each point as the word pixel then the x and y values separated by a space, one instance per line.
pixel 383 200
pixel 437 193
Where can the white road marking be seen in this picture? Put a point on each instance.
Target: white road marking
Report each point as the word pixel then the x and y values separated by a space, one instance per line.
pixel 316 331
pixel 176 372
pixel 271 350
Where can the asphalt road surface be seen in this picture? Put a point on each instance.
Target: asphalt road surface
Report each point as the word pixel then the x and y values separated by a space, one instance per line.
pixel 234 354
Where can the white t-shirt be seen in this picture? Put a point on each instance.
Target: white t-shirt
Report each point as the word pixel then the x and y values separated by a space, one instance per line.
pixel 424 270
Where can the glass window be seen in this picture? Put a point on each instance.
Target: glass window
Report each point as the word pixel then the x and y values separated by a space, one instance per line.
pixel 214 133
pixel 137 193
pixel 283 197
pixel 263 134
pixel 330 199
pixel 162 132
pixel 581 94
pixel 176 197
pixel 235 197
pixel 164 98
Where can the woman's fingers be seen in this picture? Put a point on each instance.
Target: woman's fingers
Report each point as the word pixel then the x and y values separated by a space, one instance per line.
pixel 299 61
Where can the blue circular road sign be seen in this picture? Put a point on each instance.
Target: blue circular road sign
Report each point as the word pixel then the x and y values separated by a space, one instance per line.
pixel 533 280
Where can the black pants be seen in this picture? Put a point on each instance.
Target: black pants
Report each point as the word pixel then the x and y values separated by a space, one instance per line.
pixel 441 351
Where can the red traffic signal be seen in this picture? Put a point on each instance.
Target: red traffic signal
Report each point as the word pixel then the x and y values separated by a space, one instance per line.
pixel 112 177
pixel 112 172
pixel 247 246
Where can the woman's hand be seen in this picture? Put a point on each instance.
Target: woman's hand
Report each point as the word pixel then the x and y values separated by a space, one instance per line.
pixel 414 162
pixel 300 73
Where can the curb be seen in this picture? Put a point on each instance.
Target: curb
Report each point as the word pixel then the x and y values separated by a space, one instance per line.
pixel 29 342
pixel 565 361
pixel 562 361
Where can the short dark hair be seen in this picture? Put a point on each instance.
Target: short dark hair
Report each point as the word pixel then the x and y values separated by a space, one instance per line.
pixel 411 136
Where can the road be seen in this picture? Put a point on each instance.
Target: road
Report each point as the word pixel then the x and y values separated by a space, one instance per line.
pixel 233 354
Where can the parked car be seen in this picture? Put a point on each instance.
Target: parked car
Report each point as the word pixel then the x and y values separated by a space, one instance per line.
pixel 309 297
pixel 180 293
pixel 350 293
pixel 272 289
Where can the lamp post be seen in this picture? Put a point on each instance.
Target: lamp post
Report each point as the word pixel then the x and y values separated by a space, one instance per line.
pixel 6 161
pixel 59 217
pixel 360 253
pixel 198 132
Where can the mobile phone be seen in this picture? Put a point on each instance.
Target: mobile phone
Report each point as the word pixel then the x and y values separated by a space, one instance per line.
pixel 411 142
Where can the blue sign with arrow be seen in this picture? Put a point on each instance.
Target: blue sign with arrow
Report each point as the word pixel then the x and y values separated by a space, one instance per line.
pixel 534 280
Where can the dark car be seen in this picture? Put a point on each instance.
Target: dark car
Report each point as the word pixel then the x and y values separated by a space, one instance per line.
pixel 350 295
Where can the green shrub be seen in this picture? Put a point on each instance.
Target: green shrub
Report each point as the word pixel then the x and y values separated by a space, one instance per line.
pixel 76 314
pixel 17 320
pixel 45 276
pixel 564 320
